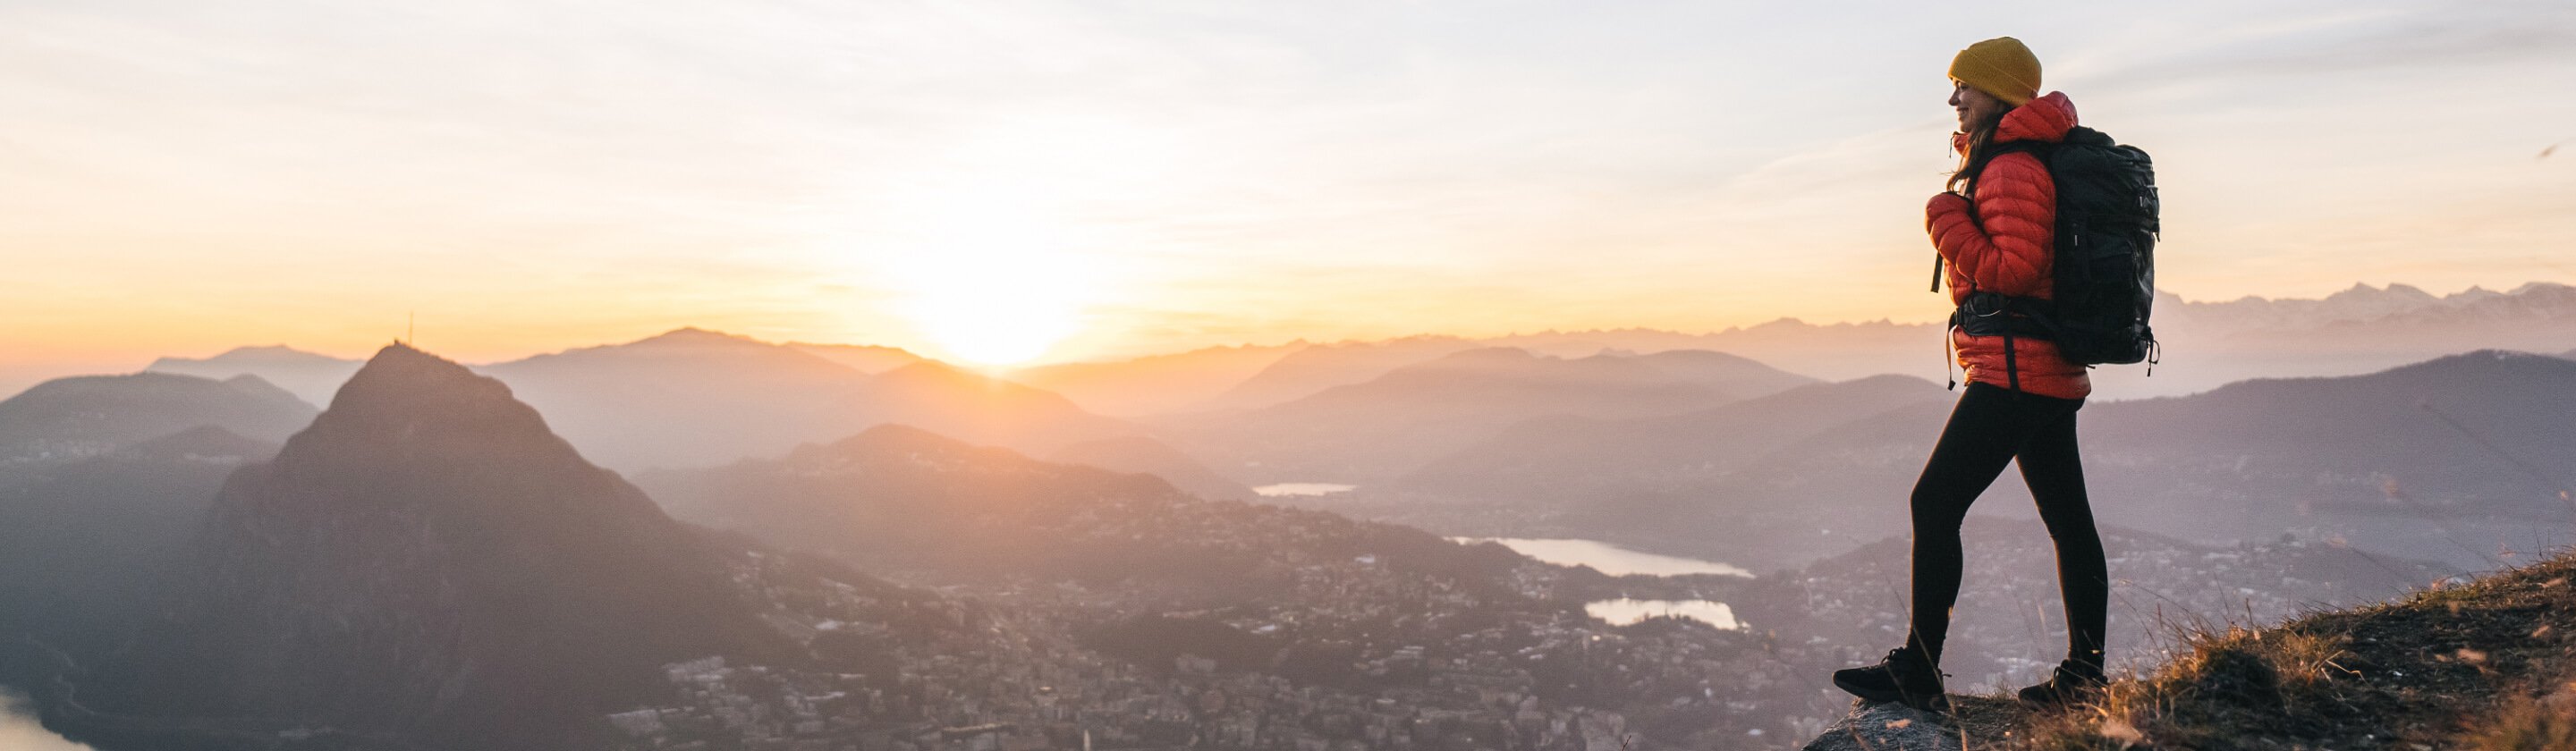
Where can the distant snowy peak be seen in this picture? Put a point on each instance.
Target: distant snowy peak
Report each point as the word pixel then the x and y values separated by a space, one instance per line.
pixel 2362 303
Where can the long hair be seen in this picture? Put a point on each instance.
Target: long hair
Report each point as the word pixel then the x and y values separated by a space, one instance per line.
pixel 1981 140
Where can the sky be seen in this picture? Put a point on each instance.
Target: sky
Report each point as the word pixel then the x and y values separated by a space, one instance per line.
pixel 1009 180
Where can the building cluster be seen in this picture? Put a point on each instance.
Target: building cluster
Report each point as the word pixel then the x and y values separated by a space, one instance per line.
pixel 1363 657
pixel 1339 649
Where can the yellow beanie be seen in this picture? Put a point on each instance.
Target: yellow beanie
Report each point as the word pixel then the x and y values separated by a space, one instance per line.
pixel 2000 66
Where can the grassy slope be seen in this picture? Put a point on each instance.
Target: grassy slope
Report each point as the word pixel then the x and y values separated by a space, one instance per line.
pixel 2487 664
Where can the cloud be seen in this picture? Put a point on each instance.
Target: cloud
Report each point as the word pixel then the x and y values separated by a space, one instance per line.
pixel 2342 41
pixel 19 730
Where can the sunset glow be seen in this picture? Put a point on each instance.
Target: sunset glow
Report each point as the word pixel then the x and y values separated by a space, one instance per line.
pixel 1049 182
pixel 994 290
pixel 1289 375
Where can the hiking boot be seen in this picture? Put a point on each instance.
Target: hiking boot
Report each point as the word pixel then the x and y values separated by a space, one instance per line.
pixel 2073 681
pixel 1904 676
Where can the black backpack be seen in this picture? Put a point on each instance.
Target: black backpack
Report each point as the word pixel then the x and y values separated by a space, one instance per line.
pixel 2105 269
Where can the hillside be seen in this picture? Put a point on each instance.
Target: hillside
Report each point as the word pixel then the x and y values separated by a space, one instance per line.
pixel 1145 455
pixel 865 358
pixel 1158 383
pixel 1394 423
pixel 684 397
pixel 84 416
pixel 1568 456
pixel 82 541
pixel 900 499
pixel 2484 665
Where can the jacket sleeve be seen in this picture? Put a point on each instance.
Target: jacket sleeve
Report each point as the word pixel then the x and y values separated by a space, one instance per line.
pixel 2011 252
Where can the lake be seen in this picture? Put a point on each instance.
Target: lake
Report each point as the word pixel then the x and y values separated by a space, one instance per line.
pixel 1303 489
pixel 1607 558
pixel 1622 612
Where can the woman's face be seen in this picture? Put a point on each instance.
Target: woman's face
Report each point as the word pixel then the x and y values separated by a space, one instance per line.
pixel 1974 105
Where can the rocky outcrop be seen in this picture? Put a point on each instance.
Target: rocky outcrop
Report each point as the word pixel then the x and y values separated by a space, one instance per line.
pixel 1887 727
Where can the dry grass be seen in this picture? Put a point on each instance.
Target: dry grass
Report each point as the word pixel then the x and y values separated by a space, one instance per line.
pixel 2483 665
pixel 2526 723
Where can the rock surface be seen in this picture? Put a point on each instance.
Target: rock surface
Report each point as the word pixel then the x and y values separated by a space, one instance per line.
pixel 1887 727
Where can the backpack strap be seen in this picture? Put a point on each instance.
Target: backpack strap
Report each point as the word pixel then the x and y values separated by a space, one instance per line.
pixel 2007 316
pixel 2012 368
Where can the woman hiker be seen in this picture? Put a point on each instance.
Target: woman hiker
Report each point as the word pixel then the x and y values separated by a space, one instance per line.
pixel 1993 229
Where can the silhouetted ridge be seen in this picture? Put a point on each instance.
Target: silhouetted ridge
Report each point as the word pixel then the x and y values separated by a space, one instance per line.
pixel 1618 461
pixel 2471 371
pixel 1143 454
pixel 201 443
pixel 888 439
pixel 936 509
pixel 428 562
pixel 909 451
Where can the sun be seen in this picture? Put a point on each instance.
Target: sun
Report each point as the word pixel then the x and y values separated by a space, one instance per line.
pixel 998 293
pixel 992 317
pixel 999 244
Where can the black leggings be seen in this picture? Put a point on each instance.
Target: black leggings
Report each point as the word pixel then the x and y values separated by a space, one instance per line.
pixel 1993 425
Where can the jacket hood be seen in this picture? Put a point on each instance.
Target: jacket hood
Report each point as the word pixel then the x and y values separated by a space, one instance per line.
pixel 2046 120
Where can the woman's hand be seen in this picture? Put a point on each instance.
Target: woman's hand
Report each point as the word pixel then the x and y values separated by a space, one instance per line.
pixel 1943 203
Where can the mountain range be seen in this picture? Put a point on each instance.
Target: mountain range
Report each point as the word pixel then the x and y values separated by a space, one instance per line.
pixel 436 561
pixel 2210 343
pixel 2358 330
pixel 2471 447
pixel 703 397
pixel 692 396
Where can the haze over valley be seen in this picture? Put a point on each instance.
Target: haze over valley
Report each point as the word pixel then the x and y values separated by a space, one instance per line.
pixel 797 541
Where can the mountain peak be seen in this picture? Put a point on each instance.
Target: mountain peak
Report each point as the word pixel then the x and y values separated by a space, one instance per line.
pixel 412 402
pixel 428 559
pixel 400 381
pixel 695 335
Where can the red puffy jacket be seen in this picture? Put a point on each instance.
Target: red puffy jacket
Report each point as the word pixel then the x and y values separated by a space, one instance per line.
pixel 2007 248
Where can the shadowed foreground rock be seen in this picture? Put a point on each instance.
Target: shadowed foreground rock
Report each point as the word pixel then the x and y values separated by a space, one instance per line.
pixel 1886 727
